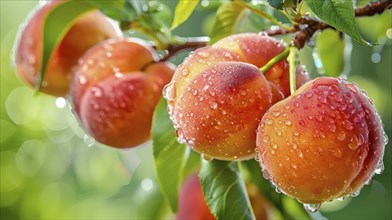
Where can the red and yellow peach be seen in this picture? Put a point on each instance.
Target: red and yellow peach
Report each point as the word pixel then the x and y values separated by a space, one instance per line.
pixel 87 31
pixel 322 143
pixel 116 87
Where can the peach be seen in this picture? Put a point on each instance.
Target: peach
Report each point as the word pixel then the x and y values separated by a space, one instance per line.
pixel 85 32
pixel 324 142
pixel 258 49
pixel 191 203
pixel 116 87
pixel 218 95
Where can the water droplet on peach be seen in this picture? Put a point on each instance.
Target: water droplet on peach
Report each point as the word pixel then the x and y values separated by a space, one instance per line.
pixel 89 141
pixel 341 136
pixel 353 144
pixel 276 113
pixel 356 193
pixel 268 121
pixel 263 34
pixel 335 152
pixel 380 167
pixel 312 207
pixel 207 157
pixel 213 105
pixel 293 165
pixel 203 54
pixel 185 71
pixel 97 91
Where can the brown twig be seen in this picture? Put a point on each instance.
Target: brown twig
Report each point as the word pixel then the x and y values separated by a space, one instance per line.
pixel 190 43
pixel 302 32
pixel 373 8
pixel 310 25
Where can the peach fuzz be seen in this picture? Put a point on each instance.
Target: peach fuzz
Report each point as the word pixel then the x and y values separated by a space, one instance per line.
pixel 87 31
pixel 218 95
pixel 322 143
pixel 116 87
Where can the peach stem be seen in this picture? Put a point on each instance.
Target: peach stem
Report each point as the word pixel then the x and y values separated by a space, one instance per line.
pixel 291 59
pixel 274 60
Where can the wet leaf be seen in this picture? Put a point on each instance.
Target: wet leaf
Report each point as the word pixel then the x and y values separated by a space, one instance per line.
pixel 114 9
pixel 224 190
pixel 330 46
pixel 288 207
pixel 183 11
pixel 169 155
pixel 339 14
pixel 57 24
pixel 278 4
pixel 228 20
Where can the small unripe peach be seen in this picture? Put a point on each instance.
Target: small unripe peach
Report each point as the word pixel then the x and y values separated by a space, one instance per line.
pixel 87 31
pixel 324 142
pixel 116 87
pixel 218 94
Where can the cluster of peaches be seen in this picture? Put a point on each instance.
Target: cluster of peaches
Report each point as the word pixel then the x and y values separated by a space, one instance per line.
pixel 114 82
pixel 323 142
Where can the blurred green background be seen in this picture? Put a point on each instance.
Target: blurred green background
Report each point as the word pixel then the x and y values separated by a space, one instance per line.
pixel 51 170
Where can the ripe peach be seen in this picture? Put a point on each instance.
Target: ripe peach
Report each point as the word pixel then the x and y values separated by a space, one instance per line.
pixel 258 49
pixel 116 87
pixel 322 143
pixel 86 32
pixel 193 206
pixel 218 95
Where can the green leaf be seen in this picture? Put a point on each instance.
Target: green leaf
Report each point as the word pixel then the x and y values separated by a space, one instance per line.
pixel 56 25
pixel 287 207
pixel 224 190
pixel 228 20
pixel 278 4
pixel 183 11
pixel 192 164
pixel 330 47
pixel 169 155
pixel 374 28
pixel 339 14
pixel 114 9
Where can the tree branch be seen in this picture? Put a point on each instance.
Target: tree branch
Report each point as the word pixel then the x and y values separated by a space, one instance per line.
pixel 308 26
pixel 190 43
pixel 302 32
pixel 373 8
